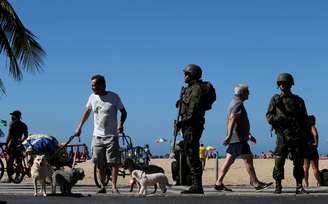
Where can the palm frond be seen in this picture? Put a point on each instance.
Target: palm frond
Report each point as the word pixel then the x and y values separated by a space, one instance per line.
pixel 32 54
pixel 2 88
pixel 26 51
pixel 14 70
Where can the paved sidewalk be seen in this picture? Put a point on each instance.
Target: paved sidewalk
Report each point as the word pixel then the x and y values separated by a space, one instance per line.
pixel 85 194
pixel 90 190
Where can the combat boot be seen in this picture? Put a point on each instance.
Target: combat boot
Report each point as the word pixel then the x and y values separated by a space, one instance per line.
pixel 196 187
pixel 194 190
pixel 278 188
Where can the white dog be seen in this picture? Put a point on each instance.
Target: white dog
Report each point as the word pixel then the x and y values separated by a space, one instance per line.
pixel 150 180
pixel 40 170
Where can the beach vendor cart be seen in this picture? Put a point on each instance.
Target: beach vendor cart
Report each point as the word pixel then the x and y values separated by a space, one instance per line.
pixel 58 155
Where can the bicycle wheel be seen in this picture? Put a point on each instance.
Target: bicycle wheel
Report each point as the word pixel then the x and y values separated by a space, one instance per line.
pixel 18 171
pixel 96 175
pixel 2 169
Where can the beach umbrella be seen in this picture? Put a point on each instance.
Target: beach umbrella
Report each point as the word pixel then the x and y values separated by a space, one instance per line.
pixel 160 140
pixel 210 148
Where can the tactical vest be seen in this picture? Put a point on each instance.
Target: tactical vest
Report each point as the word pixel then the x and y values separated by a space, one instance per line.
pixel 292 117
pixel 187 99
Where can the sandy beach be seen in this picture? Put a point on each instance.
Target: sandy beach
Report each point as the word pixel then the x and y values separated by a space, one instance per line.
pixel 236 176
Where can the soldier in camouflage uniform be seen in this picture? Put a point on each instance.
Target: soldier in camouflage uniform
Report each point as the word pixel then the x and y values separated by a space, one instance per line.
pixel 192 125
pixel 288 117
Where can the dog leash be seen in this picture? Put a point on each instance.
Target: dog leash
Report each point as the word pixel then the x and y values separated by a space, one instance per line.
pixel 62 147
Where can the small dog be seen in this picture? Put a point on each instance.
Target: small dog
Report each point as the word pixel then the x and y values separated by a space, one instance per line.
pixel 66 180
pixel 150 169
pixel 40 171
pixel 150 179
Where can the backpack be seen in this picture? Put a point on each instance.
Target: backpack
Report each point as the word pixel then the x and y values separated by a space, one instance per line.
pixel 175 166
pixel 324 177
pixel 208 95
pixel 290 125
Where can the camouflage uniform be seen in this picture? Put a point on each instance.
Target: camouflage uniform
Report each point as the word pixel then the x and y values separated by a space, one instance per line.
pixel 288 117
pixel 192 115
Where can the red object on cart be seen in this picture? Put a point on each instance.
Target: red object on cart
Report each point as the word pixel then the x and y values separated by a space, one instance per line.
pixel 77 153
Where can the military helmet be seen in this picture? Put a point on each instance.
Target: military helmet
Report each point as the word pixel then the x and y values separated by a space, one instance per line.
pixel 285 77
pixel 194 70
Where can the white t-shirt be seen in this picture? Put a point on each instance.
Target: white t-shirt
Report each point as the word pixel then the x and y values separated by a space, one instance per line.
pixel 105 113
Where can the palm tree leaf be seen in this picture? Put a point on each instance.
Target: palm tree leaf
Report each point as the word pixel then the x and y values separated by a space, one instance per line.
pixel 32 54
pixel 13 65
pixel 4 4
pixel 24 47
pixel 2 88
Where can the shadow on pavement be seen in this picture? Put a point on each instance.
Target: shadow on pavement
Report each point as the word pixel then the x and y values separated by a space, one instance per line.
pixel 73 195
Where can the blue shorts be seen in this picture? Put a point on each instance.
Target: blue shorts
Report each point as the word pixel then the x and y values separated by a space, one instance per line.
pixel 311 152
pixel 239 148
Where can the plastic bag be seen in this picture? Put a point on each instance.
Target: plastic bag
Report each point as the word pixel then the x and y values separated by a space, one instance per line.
pixel 40 144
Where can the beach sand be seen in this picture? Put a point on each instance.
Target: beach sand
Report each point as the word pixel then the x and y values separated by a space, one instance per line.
pixel 237 174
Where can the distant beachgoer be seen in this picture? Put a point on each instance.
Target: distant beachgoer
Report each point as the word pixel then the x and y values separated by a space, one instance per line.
pixel 17 133
pixel 312 156
pixel 104 104
pixel 211 154
pixel 202 155
pixel 214 155
pixel 147 154
pixel 238 135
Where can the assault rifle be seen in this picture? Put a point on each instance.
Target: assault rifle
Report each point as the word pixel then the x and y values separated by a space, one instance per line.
pixel 176 122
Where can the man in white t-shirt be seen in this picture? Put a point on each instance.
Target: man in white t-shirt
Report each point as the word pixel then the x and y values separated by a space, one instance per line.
pixel 104 104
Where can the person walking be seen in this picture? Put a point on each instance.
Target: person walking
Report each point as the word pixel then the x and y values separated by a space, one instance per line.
pixel 238 135
pixel 17 133
pixel 104 104
pixel 288 117
pixel 193 106
pixel 147 154
pixel 312 155
pixel 202 155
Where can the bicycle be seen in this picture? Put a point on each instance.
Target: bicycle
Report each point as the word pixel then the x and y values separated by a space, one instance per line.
pixel 59 158
pixel 126 151
pixel 20 166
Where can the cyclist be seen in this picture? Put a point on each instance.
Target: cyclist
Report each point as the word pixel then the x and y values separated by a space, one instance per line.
pixel 17 133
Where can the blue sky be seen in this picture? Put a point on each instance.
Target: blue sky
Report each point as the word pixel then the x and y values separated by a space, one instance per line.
pixel 141 48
